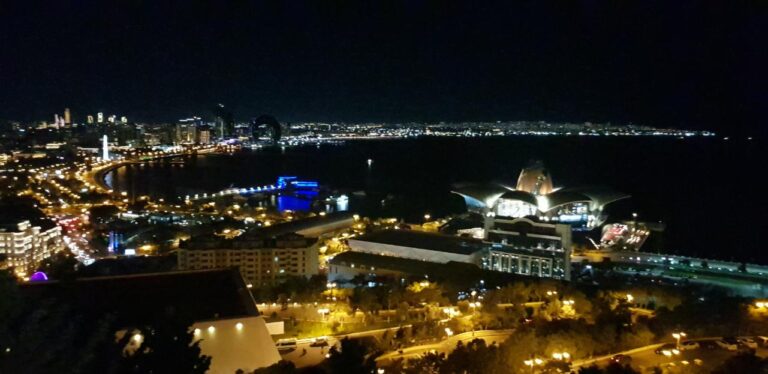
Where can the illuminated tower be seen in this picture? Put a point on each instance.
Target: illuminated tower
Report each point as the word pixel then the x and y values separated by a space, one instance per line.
pixel 104 148
pixel 124 120
pixel 90 119
pixel 100 117
pixel 67 117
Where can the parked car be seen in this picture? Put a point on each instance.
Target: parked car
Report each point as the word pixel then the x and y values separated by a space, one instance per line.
pixel 669 347
pixel 286 345
pixel 622 359
pixel 748 342
pixel 320 341
pixel 689 345
pixel 762 340
pixel 728 344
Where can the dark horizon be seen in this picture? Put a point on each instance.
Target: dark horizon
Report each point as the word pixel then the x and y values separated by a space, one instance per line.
pixel 696 65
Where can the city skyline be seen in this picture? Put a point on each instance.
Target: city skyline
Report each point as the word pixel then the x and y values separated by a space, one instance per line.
pixel 357 187
pixel 396 63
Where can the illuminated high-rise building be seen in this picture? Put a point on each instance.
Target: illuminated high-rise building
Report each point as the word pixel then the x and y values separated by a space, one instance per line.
pixel 100 117
pixel 225 123
pixel 67 117
pixel 90 119
pixel 124 120
pixel 111 119
pixel 104 148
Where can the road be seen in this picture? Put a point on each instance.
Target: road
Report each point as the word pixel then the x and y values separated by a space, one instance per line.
pixel 448 345
pixel 645 358
pixel 307 355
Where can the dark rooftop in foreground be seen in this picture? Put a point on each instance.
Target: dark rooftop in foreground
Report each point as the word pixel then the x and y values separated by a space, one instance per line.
pixel 424 240
pixel 139 299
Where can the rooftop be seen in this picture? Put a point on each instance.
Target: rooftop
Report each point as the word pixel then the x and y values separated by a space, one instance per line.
pixel 423 240
pixel 138 299
pixel 436 271
pixel 300 224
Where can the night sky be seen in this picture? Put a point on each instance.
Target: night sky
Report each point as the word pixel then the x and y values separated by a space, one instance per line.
pixel 691 64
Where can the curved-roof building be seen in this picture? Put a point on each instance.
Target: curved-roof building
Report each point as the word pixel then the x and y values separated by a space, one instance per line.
pixel 535 179
pixel 582 207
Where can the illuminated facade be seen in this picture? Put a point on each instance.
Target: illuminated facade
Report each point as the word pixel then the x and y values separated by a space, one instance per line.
pixel 104 148
pixel 67 117
pixel 534 195
pixel 261 261
pixel 518 246
pixel 25 245
pixel 526 247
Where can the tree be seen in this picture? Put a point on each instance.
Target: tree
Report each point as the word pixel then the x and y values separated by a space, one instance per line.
pixel 743 363
pixel 612 368
pixel 60 266
pixel 351 358
pixel 473 358
pixel 428 363
pixel 50 336
pixel 166 346
pixel 281 367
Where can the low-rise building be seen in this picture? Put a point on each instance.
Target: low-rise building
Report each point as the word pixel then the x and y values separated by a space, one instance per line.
pixel 261 260
pixel 511 245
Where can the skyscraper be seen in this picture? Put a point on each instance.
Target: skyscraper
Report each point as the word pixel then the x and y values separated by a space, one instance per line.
pixel 100 117
pixel 225 122
pixel 67 117
pixel 90 119
pixel 104 148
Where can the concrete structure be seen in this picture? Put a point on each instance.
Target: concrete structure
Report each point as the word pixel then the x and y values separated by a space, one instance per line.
pixel 262 260
pixel 25 245
pixel 224 314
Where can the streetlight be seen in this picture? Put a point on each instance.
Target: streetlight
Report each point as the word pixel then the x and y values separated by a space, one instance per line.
pixel 678 335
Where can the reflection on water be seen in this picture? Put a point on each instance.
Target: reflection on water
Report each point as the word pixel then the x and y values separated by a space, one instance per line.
pixel 687 184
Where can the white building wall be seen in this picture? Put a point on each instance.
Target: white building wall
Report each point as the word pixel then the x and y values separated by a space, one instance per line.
pixel 231 348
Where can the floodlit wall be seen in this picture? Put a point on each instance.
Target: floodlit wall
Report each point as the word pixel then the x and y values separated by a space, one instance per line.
pixel 239 343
